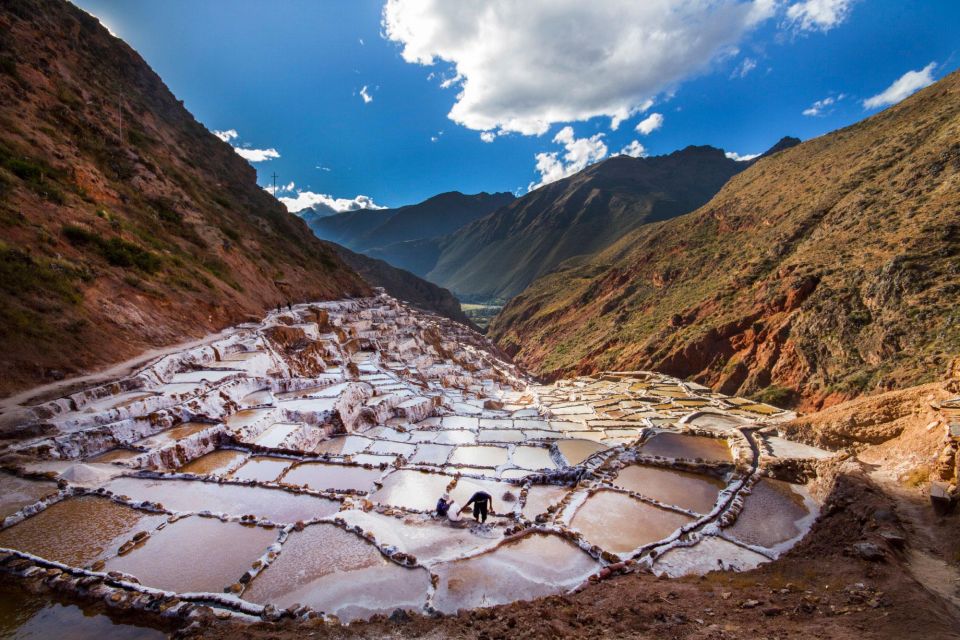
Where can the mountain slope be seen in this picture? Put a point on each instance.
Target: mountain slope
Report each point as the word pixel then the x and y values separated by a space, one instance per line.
pixel 437 216
pixel 823 272
pixel 114 239
pixel 405 286
pixel 499 255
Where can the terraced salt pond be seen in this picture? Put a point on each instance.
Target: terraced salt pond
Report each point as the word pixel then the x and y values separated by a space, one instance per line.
pixel 320 490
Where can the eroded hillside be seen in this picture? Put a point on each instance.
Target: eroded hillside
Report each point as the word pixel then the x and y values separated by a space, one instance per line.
pixel 821 273
pixel 123 222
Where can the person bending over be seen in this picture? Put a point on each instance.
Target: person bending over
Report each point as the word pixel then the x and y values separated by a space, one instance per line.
pixel 482 504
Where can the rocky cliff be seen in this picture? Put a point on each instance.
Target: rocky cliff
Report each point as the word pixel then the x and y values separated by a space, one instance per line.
pixel 124 223
pixel 822 272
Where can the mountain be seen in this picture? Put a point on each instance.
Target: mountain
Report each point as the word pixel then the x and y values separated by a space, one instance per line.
pixel 124 223
pixel 385 232
pixel 828 270
pixel 405 286
pixel 499 255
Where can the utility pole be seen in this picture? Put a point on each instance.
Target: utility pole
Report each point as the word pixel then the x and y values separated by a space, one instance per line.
pixel 274 184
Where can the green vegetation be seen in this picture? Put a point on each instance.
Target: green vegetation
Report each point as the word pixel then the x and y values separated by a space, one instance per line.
pixel 781 397
pixel 116 251
pixel 22 275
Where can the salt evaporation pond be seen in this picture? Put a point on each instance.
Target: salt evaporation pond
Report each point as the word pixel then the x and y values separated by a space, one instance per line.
pixel 195 554
pixel 380 435
pixel 183 495
pixel 534 566
pixel 335 571
pixel 26 616
pixel 78 531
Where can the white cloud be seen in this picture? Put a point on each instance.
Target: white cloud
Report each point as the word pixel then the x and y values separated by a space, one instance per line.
pixel 822 107
pixel 522 66
pixel 650 124
pixel 226 136
pixel 634 150
pixel 905 85
pixel 580 152
pixel 745 67
pixel 320 202
pixel 733 155
pixel 488 136
pixel 257 155
pixel 818 15
pixel 246 152
pixel 367 98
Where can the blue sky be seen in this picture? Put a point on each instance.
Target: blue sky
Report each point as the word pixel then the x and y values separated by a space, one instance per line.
pixel 737 74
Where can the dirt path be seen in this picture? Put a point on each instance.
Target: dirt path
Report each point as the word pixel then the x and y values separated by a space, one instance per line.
pixel 934 551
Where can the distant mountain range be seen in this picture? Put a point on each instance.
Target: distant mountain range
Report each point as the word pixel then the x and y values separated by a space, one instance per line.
pixel 821 272
pixel 392 234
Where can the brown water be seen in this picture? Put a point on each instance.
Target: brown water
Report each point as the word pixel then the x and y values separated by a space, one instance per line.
pixel 534 566
pixel 338 572
pixel 687 490
pixel 26 616
pixel 184 495
pixel 620 524
pixel 541 496
pixel 262 468
pixel 532 458
pixel 214 463
pixel 576 451
pixel 771 515
pixel 318 475
pixel 195 554
pixel 170 436
pixel 78 531
pixel 481 456
pixel 412 489
pixel 676 445
pixel 17 493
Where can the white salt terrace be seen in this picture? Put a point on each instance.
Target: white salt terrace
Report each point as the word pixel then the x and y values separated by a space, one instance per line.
pixel 306 469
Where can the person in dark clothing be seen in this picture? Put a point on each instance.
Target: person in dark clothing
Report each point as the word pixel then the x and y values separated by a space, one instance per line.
pixel 278 307
pixel 482 504
pixel 289 306
pixel 443 506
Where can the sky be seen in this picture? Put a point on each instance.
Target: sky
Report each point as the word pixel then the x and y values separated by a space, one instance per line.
pixel 372 103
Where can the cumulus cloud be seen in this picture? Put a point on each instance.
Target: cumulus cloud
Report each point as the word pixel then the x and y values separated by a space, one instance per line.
pixel 904 86
pixel 578 154
pixel 818 15
pixel 823 107
pixel 650 124
pixel 246 152
pixel 488 136
pixel 226 136
pixel 733 155
pixel 296 200
pixel 745 67
pixel 634 150
pixel 367 98
pixel 522 66
pixel 257 155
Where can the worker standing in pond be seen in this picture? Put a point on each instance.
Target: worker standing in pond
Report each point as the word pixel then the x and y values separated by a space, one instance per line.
pixel 482 504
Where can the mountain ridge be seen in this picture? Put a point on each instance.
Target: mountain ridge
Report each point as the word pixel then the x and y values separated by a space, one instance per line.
pixel 818 274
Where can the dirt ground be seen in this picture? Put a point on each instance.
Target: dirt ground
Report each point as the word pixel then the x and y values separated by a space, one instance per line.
pixel 823 588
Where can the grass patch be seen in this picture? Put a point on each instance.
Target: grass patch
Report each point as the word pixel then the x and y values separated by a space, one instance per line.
pixel 781 397
pixel 117 251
